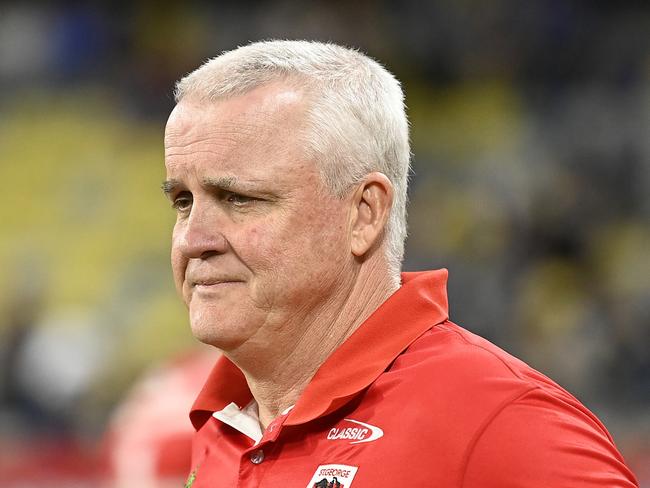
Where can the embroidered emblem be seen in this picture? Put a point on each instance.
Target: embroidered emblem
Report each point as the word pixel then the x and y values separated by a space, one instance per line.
pixel 333 476
pixel 190 479
pixel 358 433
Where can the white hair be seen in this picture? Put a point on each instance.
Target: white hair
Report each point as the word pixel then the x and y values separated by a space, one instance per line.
pixel 357 120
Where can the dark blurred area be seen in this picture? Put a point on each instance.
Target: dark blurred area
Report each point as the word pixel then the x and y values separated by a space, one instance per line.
pixel 531 183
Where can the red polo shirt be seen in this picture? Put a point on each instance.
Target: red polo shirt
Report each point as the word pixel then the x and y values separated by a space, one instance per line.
pixel 410 399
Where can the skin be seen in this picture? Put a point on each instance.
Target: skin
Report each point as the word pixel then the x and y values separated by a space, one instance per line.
pixel 275 270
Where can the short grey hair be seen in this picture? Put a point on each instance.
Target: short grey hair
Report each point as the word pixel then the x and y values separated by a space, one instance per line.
pixel 357 120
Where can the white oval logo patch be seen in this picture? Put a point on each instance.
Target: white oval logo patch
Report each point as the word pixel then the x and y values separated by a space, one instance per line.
pixel 359 433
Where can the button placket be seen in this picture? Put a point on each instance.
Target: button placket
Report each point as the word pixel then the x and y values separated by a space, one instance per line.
pixel 270 435
pixel 257 456
pixel 272 432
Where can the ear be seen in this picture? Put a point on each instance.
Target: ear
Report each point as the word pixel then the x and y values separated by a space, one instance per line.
pixel 371 202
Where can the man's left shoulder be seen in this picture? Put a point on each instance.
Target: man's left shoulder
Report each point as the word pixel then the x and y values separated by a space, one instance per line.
pixel 460 374
pixel 450 353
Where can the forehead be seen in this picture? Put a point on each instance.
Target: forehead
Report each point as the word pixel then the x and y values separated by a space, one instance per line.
pixel 262 127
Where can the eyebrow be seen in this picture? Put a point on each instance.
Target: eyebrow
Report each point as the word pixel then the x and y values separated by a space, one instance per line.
pixel 227 183
pixel 168 186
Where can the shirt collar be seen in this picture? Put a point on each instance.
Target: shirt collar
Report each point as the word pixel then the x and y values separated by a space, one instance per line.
pixel 245 420
pixel 418 305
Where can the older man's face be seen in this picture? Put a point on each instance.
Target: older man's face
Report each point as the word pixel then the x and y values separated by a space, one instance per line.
pixel 259 247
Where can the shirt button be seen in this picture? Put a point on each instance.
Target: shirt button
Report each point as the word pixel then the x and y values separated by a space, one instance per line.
pixel 257 456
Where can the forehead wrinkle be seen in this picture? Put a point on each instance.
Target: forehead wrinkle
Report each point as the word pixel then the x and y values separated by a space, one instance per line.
pixel 262 115
pixel 215 135
pixel 221 137
pixel 216 149
pixel 227 136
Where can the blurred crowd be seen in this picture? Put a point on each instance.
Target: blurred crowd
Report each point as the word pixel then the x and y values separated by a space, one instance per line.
pixel 531 183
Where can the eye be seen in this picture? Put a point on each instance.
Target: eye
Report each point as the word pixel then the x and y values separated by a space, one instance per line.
pixel 238 200
pixel 183 202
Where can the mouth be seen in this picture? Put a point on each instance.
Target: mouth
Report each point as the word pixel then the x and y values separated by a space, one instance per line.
pixel 212 284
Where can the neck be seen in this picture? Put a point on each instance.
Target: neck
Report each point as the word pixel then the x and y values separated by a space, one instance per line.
pixel 277 380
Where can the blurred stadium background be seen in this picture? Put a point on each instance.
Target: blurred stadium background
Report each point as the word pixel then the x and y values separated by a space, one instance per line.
pixel 531 141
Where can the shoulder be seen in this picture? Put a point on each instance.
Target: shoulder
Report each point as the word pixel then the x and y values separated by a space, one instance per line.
pixel 500 419
pixel 468 377
pixel 541 440
pixel 458 362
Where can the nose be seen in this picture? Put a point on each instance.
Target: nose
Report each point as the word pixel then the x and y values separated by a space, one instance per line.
pixel 199 235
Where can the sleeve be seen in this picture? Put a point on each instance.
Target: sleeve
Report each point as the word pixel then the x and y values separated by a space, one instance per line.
pixel 539 440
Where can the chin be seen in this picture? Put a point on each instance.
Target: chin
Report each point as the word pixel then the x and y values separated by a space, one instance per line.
pixel 212 337
pixel 225 333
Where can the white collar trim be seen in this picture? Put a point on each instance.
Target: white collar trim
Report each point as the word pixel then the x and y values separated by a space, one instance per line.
pixel 245 420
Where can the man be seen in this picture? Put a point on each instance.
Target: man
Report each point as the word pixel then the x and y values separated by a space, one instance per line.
pixel 287 164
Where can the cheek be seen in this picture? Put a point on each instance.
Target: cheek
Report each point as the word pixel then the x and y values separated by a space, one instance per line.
pixel 320 244
pixel 304 244
pixel 326 232
pixel 179 263
pixel 258 247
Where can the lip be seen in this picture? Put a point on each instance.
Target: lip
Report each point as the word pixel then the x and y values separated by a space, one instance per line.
pixel 213 283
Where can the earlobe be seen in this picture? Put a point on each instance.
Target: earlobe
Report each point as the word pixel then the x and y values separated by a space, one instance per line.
pixel 372 200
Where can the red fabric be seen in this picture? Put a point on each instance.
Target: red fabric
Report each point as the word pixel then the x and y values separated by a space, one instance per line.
pixel 148 440
pixel 454 410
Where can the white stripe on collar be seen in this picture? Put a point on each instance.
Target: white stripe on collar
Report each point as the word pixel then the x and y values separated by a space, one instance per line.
pixel 246 420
